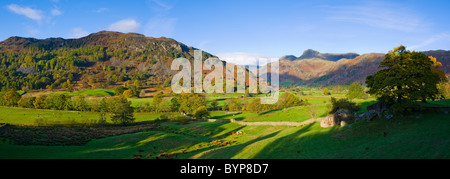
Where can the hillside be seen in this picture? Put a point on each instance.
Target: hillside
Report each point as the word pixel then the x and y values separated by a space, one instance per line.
pixel 322 69
pixel 98 60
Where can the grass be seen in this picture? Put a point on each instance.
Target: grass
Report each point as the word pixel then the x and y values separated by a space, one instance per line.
pixel 406 137
pixel 437 103
pixel 92 92
pixel 293 114
pixel 28 116
pixel 419 135
pixel 139 102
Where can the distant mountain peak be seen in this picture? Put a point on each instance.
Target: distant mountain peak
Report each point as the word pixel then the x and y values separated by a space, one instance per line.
pixel 288 57
pixel 310 54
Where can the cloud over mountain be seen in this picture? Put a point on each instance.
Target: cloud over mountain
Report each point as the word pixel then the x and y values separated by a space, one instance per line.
pixel 126 25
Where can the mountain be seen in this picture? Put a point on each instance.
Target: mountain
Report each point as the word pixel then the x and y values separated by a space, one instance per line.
pixel 441 56
pixel 98 60
pixel 312 54
pixel 322 69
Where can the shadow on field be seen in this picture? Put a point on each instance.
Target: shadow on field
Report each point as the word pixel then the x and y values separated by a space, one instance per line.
pixel 269 111
pixel 365 104
pixel 225 116
pixel 290 146
pixel 110 93
pixel 230 152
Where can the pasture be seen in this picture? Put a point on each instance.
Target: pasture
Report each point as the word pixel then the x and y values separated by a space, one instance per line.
pixel 417 135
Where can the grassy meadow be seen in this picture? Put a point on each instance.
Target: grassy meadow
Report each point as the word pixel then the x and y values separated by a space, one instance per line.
pixel 417 135
pixel 406 137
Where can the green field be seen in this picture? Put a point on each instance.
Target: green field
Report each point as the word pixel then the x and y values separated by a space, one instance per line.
pixel 26 116
pixel 406 137
pixel 92 92
pixel 417 135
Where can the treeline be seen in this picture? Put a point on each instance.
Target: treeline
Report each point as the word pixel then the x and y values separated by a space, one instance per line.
pixel 59 102
pixel 119 107
pixel 285 100
pixel 189 104
pixel 39 69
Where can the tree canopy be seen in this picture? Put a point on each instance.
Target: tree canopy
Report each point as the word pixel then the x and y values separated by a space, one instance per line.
pixel 406 76
pixel 355 90
pixel 121 110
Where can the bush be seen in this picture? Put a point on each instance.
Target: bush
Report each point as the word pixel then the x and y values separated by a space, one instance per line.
pixel 355 90
pixel 343 103
pixel 11 97
pixel 121 110
pixel 288 100
pixel 406 106
pixel 58 102
pixel 312 111
pixel 201 112
pixel 119 90
pixel 26 102
pixel 162 117
pixel 128 93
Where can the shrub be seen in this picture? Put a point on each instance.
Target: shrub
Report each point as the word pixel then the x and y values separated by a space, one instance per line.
pixel 11 97
pixel 128 93
pixel 326 91
pixel 81 104
pixel 312 111
pixel 355 90
pixel 162 117
pixel 26 102
pixel 234 104
pixel 201 112
pixel 121 110
pixel 119 90
pixel 343 103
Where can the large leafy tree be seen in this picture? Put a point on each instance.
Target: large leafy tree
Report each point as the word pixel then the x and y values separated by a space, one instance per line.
pixel 355 90
pixel 121 110
pixel 11 97
pixel 201 112
pixel 406 76
pixel 189 102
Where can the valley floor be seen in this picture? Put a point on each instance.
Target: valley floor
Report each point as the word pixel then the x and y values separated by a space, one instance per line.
pixel 417 135
pixel 414 136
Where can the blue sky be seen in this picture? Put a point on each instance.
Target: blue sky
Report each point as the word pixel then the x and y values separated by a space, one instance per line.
pixel 233 28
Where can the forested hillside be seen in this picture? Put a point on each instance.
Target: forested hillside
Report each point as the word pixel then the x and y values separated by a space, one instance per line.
pixel 96 61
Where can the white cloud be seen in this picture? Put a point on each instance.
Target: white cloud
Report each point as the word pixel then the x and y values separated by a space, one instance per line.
pixel 26 11
pixel 126 25
pixel 242 58
pixel 378 14
pixel 77 33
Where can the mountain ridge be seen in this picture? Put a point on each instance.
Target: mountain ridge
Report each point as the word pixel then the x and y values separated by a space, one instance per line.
pixel 106 55
pixel 102 59
pixel 312 69
pixel 313 54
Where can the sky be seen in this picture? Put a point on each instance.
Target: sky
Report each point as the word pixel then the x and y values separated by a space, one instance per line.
pixel 241 29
